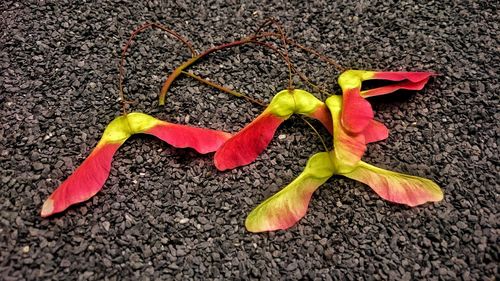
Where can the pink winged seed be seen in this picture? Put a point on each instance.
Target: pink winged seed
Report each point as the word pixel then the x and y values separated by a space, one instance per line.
pixel 349 149
pixel 84 183
pixel 375 131
pixel 182 136
pixel 322 114
pixel 399 76
pixel 397 187
pixel 356 111
pixel 244 147
pixel 289 205
pixel 90 176
pixel 285 208
pixel 404 85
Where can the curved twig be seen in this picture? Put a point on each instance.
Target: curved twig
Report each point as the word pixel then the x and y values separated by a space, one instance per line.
pixel 134 34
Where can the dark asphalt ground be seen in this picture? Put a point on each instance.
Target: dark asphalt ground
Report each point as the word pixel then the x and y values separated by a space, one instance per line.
pixel 167 213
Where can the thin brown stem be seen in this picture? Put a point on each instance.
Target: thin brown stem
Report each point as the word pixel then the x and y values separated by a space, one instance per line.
pixel 281 36
pixel 318 54
pixel 316 132
pixel 224 89
pixel 186 64
pixel 323 57
pixel 191 61
pixel 286 57
pixel 265 23
pixel 293 68
pixel 134 34
pixel 271 21
pixel 250 39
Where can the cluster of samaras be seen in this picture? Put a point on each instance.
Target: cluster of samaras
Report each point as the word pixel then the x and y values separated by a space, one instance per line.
pixel 349 117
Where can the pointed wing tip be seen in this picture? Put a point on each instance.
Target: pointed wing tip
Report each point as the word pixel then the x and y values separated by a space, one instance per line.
pixel 221 167
pixel 223 161
pixel 397 187
pixel 256 221
pixel 430 73
pixel 356 111
pixel 376 131
pixel 254 229
pixel 259 230
pixel 432 194
pixel 47 208
pixel 422 75
pixel 435 193
pixel 252 225
pixel 414 76
pixel 438 195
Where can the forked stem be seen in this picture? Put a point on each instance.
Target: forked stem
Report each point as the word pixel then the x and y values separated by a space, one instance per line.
pixel 316 132
pixel 252 39
pixel 186 64
pixel 249 39
pixel 282 36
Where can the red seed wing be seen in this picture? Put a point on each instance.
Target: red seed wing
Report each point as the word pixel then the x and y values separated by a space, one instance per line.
pixel 244 147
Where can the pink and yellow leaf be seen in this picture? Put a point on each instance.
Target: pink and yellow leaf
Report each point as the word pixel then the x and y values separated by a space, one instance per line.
pixel 401 75
pixel 356 111
pixel 397 187
pixel 85 182
pixel 289 205
pixel 404 85
pixel 245 146
pixel 181 136
pixel 89 178
pixel 375 131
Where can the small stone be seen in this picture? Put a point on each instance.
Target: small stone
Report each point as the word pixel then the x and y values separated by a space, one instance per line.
pixel 65 263
pixel 37 166
pixel 203 220
pixel 106 225
pixel 173 266
pixel 136 265
pixel 292 266
pixel 5 179
pixel 184 220
pixel 107 262
pixel 139 159
pixel 26 249
pixel 329 252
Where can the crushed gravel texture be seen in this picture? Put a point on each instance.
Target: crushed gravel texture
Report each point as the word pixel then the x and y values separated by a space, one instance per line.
pixel 168 214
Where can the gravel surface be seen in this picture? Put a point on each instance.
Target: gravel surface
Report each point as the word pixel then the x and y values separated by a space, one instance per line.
pixel 168 214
